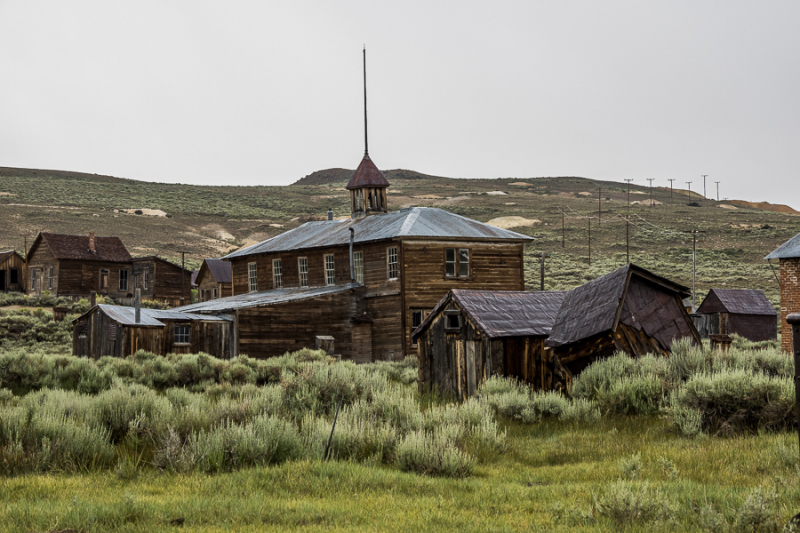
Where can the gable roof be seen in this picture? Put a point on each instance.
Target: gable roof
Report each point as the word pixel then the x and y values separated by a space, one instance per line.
pixel 738 301
pixel 76 247
pixel 218 269
pixel 594 307
pixel 409 222
pixel 155 258
pixel 149 317
pixel 263 298
pixel 367 175
pixel 5 255
pixel 787 250
pixel 503 313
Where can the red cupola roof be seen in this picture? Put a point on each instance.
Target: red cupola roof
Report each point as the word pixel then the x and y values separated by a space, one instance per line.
pixel 367 175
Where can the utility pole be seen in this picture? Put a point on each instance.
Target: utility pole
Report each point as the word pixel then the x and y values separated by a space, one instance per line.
pixel 627 240
pixel 183 275
pixel 694 233
pixel 670 188
pixel 689 183
pixel 629 180
pixel 704 184
pixel 563 231
pixel 590 239
pixel 599 200
pixel 717 190
pixel 651 190
pixel 542 256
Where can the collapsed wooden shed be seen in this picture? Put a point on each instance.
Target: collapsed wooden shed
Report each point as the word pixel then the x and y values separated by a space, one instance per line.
pixel 745 312
pixel 629 310
pixel 12 269
pixel 473 334
pixel 114 330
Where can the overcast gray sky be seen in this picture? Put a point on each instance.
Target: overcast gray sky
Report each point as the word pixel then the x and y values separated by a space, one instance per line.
pixel 264 93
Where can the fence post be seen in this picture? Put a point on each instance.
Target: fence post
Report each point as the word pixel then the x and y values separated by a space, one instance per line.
pixel 794 322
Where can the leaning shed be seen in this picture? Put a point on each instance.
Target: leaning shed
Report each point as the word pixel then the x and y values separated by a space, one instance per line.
pixel 114 330
pixel 788 256
pixel 630 310
pixel 473 334
pixel 745 312
pixel 12 268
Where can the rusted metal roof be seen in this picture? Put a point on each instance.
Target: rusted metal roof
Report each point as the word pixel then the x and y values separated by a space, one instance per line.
pixel 151 317
pixel 740 301
pixel 594 307
pixel 264 298
pixel 367 175
pixel 76 247
pixel 220 270
pixel 788 250
pixel 504 313
pixel 427 222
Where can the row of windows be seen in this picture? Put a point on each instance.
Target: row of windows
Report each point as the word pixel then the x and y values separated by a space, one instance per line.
pixel 48 280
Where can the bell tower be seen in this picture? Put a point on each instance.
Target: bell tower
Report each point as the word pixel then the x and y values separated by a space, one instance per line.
pixel 368 185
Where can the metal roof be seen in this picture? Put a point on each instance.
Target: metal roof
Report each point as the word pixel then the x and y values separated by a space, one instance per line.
pixel 258 299
pixel 9 253
pixel 787 250
pixel 422 222
pixel 219 269
pixel 738 301
pixel 367 175
pixel 151 317
pixel 504 313
pixel 107 249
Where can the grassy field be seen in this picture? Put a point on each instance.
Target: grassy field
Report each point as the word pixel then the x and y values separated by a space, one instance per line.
pixel 554 477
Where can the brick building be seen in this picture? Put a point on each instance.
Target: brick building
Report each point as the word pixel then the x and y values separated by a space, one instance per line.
pixel 789 256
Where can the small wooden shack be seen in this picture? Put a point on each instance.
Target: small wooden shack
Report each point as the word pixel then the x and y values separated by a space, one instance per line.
pixel 162 281
pixel 745 312
pixel 214 280
pixel 473 334
pixel 12 269
pixel 629 310
pixel 113 330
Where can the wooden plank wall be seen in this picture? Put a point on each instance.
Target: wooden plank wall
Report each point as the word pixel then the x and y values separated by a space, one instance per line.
pixel 42 259
pixel 14 261
pixel 167 283
pixel 660 314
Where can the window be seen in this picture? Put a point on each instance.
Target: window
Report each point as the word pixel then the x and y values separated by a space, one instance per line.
pixel 302 268
pixel 391 259
pixel 277 275
pixel 123 280
pixel 216 294
pixel 358 266
pixel 104 279
pixel 456 262
pixel 50 272
pixel 452 320
pixel 330 270
pixel 252 277
pixel 34 275
pixel 182 333
pixel 13 276
pixel 146 278
pixel 417 316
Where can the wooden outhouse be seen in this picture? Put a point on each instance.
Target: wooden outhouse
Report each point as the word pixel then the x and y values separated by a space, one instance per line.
pixel 744 312
pixel 471 335
pixel 629 310
pixel 12 272
pixel 114 330
pixel 214 280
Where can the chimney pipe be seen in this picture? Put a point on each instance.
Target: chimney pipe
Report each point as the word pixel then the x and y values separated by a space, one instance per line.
pixel 330 214
pixel 137 317
pixel 352 271
pixel 91 243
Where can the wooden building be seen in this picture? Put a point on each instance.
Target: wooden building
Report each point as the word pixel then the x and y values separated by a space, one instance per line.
pixel 162 281
pixel 788 256
pixel 471 335
pixel 629 310
pixel 113 330
pixel 744 312
pixel 406 260
pixel 12 272
pixel 76 265
pixel 214 280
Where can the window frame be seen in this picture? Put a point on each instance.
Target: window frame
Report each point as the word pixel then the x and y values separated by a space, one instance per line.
pixel 393 267
pixel 104 279
pixel 145 278
pixel 277 274
pixel 423 313
pixel 126 279
pixel 13 276
pixel 50 275
pixel 252 277
pixel 450 313
pixel 182 335
pixel 330 270
pixel 34 275
pixel 358 266
pixel 457 263
pixel 302 270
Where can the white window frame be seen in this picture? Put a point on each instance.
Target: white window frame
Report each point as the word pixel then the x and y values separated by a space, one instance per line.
pixel 127 275
pixel 252 277
pixel 277 274
pixel 358 266
pixel 302 269
pixel 330 270
pixel 50 276
pixel 457 263
pixel 393 263
pixel 34 275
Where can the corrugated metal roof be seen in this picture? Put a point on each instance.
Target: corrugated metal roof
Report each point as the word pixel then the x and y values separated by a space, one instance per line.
pixel 151 317
pixel 787 250
pixel 367 175
pixel 258 299
pixel 423 222
pixel 740 301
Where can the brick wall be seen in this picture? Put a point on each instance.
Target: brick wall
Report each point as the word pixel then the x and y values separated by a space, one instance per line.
pixel 790 298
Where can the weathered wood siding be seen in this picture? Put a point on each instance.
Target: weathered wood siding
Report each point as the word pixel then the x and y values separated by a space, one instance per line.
pixel 80 278
pixel 12 262
pixel 206 287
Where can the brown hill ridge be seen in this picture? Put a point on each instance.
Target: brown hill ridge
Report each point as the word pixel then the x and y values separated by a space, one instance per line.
pixel 766 206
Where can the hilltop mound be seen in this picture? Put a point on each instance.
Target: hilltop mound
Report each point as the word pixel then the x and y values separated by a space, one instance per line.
pixel 766 206
pixel 340 176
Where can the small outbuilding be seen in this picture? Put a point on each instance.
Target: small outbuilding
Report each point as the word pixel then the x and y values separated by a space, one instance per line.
pixel 629 310
pixel 472 334
pixel 117 331
pixel 12 267
pixel 214 280
pixel 744 312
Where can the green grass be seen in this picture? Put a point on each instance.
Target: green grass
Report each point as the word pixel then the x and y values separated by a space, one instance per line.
pixel 549 480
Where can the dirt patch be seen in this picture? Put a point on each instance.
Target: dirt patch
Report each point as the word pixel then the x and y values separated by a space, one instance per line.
pixel 727 206
pixel 452 200
pixel 766 206
pixel 147 212
pixel 647 202
pixel 584 193
pixel 510 203
pixel 218 232
pixel 430 197
pixel 513 222
pixel 7 193
pixel 521 184
pixel 496 193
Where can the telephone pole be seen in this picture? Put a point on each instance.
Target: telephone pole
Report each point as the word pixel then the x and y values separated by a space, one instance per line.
pixel 599 200
pixel 542 256
pixel 670 188
pixel 627 240
pixel 590 239
pixel 689 183
pixel 694 233
pixel 704 184
pixel 629 180
pixel 717 190
pixel 563 230
pixel 183 275
pixel 651 190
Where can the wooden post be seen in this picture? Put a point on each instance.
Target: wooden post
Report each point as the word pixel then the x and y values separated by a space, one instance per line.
pixel 794 321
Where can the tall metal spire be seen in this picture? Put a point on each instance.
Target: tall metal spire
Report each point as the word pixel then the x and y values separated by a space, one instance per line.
pixel 366 145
